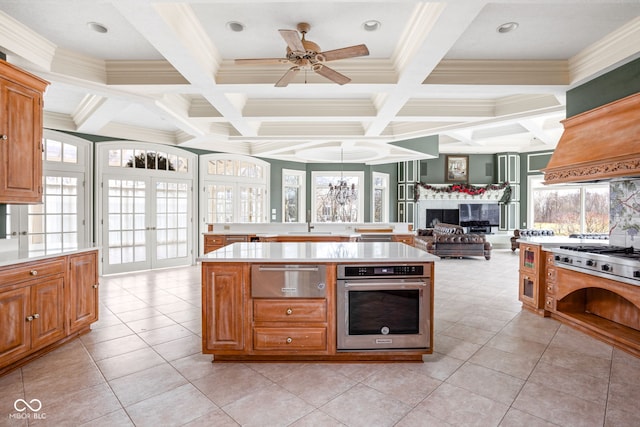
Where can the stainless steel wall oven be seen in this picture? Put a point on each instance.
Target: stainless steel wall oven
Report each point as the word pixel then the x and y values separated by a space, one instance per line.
pixel 383 307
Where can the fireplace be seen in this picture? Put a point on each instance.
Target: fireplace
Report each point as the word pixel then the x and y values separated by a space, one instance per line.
pixel 448 216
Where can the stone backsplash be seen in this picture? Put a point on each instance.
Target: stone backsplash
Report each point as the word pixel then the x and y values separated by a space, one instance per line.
pixel 624 218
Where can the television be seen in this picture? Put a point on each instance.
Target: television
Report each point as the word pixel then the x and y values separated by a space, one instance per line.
pixel 479 214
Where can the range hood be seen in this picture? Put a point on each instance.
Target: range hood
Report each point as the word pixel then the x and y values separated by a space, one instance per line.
pixel 600 144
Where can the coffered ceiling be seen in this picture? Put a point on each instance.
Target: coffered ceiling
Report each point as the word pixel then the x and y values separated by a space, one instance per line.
pixel 165 72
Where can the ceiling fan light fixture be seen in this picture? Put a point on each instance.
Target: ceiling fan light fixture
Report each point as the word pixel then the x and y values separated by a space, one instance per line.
pixel 97 27
pixel 371 25
pixel 235 26
pixel 507 27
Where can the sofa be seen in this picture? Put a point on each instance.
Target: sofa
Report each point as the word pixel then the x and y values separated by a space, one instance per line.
pixel 529 232
pixel 450 240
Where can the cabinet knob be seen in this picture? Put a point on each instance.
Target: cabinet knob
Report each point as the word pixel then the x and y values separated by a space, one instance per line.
pixel 3 137
pixel 36 315
pixel 95 286
pixel 289 311
pixel 34 272
pixel 289 340
pixel 29 318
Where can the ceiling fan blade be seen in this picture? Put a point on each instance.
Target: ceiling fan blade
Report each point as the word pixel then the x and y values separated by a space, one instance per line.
pixel 260 61
pixel 345 52
pixel 293 40
pixel 331 74
pixel 287 77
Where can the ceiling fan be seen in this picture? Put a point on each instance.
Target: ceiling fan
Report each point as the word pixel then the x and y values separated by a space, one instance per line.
pixel 306 55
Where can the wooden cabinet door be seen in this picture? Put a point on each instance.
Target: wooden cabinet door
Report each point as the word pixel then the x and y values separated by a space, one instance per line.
pixel 21 143
pixel 82 288
pixel 47 309
pixel 223 306
pixel 15 330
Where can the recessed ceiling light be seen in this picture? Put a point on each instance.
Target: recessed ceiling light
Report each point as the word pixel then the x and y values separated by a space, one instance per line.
pixel 508 27
pixel 371 25
pixel 97 27
pixel 235 26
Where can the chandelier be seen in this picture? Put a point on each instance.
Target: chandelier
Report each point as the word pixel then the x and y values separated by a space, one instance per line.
pixel 343 193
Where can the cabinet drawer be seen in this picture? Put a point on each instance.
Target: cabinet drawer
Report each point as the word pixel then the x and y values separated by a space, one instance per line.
pixel 550 258
pixel 271 310
pixel 551 275
pixel 403 239
pixel 550 303
pixel 214 240
pixel 550 289
pixel 290 339
pixel 16 274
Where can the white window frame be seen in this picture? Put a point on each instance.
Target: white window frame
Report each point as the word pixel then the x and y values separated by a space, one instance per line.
pixel 83 171
pixel 535 181
pixel 302 201
pixel 188 173
pixel 360 189
pixel 234 181
pixel 385 198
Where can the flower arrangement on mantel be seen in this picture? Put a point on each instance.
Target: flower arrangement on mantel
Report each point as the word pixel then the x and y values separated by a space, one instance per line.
pixel 489 191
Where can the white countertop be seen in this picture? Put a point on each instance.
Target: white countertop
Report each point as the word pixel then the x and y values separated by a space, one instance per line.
pixel 14 259
pixel 318 252
pixel 556 241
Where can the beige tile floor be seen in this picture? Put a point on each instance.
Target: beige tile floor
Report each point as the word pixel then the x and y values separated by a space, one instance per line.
pixel 493 365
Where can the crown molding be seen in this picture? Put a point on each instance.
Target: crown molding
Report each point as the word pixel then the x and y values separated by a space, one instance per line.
pixel 606 53
pixel 58 121
pixel 143 73
pixel 75 65
pixel 25 43
pixel 311 129
pixel 302 108
pixel 457 109
pixel 130 132
pixel 498 72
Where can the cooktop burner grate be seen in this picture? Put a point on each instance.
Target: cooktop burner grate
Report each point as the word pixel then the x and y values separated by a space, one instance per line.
pixel 603 249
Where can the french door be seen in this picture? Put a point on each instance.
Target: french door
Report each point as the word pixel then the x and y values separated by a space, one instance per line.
pixel 147 223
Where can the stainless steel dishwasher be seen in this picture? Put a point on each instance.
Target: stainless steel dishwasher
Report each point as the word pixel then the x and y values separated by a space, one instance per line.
pixel 288 281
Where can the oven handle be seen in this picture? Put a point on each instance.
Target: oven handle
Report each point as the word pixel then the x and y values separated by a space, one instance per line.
pixel 288 268
pixel 377 284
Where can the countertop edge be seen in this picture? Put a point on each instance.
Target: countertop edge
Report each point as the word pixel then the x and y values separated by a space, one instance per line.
pixel 16 261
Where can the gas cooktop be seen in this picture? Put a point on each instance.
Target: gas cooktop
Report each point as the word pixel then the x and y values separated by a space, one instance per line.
pixel 613 262
pixel 612 250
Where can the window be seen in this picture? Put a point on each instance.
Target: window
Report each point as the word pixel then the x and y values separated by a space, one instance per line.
pixel 148 159
pixel 234 189
pixel 293 196
pixel 571 208
pixel 329 205
pixel 59 223
pixel 380 197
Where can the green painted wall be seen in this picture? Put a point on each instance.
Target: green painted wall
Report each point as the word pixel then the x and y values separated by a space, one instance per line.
pixel 616 84
pixel 482 169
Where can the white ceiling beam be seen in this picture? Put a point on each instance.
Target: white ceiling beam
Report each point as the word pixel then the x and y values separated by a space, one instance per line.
pixel 435 29
pixel 174 30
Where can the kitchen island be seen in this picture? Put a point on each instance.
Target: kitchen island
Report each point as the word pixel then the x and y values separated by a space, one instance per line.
pixel 278 301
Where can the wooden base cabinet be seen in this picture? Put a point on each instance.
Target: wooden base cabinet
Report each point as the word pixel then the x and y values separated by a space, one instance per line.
pixel 224 288
pixel 530 279
pixel 82 301
pixel 239 327
pixel 37 302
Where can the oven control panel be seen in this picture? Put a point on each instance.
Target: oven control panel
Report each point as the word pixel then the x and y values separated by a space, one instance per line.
pixel 352 271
